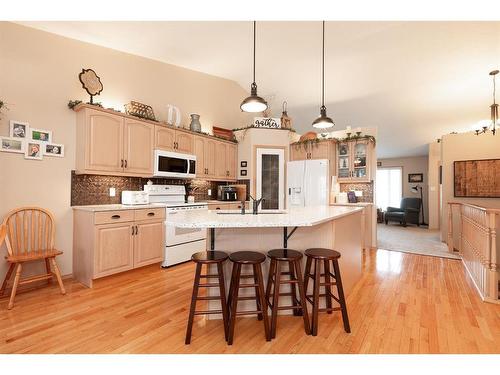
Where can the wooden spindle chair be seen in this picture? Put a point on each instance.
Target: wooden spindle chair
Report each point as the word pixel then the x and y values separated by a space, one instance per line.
pixel 29 234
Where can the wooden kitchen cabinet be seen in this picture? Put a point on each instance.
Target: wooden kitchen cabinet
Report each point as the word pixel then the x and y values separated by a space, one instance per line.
pixel 164 138
pixel 220 160
pixel 138 151
pixel 108 242
pixel 315 150
pixel 354 161
pixel 184 142
pixel 148 243
pixel 231 160
pixel 209 158
pixel 114 249
pixel 199 152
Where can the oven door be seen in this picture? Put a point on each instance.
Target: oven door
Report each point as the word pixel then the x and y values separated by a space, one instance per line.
pixel 177 236
pixel 171 164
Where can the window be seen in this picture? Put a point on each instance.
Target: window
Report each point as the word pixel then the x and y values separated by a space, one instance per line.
pixel 389 187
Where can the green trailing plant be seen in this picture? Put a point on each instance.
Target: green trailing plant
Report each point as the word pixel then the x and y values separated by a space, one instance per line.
pixel 3 107
pixel 73 103
pixel 253 127
pixel 315 141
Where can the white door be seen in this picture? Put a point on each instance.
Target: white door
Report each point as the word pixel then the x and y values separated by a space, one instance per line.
pixel 270 178
pixel 295 183
pixel 316 182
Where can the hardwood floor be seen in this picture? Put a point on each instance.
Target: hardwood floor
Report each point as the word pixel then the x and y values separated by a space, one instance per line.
pixel 405 303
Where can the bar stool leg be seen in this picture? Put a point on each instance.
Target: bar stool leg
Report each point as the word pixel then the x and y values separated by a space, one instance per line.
pixel 263 303
pixel 222 292
pixel 272 266
pixel 293 289
pixel 230 294
pixel 328 287
pixel 317 274
pixel 302 295
pixel 234 303
pixel 340 290
pixel 194 297
pixel 307 273
pixel 276 292
pixel 257 293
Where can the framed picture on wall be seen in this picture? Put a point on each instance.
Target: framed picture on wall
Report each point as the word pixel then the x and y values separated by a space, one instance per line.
pixel 8 144
pixel 19 129
pixel 415 177
pixel 41 135
pixel 33 150
pixel 243 164
pixel 53 149
pixel 243 172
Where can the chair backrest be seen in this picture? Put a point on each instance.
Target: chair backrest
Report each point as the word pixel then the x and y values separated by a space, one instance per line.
pixel 410 203
pixel 29 229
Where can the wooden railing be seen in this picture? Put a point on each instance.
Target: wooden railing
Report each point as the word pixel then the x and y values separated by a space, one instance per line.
pixel 477 245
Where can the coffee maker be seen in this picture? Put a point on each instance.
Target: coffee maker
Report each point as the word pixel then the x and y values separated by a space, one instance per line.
pixel 227 193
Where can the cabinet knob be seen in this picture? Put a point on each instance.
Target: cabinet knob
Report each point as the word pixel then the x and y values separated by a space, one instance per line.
pixel 122 163
pixel 115 217
pixel 125 163
pixel 151 214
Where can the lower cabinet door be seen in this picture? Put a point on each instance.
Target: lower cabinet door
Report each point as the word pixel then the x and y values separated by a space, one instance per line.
pixel 114 250
pixel 149 243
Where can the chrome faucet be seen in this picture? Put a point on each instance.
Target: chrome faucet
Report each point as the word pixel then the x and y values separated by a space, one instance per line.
pixel 255 204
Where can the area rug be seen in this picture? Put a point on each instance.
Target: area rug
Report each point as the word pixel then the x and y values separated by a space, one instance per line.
pixel 416 240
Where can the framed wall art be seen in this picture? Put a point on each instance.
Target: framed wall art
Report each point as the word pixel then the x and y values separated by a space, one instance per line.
pixel 243 172
pixel 477 178
pixel 415 177
pixel 41 135
pixel 33 150
pixel 19 129
pixel 53 149
pixel 8 144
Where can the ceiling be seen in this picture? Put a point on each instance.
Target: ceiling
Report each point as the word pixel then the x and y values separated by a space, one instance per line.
pixel 415 81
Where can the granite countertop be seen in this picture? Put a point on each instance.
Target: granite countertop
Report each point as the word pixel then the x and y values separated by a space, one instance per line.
pixel 294 217
pixel 358 204
pixel 213 201
pixel 114 207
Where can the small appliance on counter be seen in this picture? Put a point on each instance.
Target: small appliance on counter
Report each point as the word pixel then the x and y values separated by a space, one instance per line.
pixel 227 193
pixel 135 197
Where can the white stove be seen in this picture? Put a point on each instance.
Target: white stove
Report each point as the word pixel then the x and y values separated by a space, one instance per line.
pixel 181 243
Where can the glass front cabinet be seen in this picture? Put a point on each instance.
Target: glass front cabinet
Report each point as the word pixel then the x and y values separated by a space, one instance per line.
pixel 353 161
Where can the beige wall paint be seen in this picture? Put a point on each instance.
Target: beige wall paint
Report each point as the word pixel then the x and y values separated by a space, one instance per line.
pixel 417 164
pixel 466 146
pixel 39 74
pixel 433 184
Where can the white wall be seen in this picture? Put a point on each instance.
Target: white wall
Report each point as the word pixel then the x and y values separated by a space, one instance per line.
pixel 433 185
pixel 39 74
pixel 418 164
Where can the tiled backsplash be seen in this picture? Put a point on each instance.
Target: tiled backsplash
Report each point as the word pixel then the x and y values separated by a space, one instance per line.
pixel 366 188
pixel 94 189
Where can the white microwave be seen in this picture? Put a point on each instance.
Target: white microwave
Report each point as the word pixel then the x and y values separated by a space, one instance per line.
pixel 174 164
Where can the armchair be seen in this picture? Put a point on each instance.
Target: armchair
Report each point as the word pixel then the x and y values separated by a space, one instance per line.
pixel 408 212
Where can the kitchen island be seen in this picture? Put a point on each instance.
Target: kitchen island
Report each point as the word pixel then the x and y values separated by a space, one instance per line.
pixel 334 227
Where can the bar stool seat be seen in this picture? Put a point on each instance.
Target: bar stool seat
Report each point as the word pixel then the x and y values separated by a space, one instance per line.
pixel 208 258
pixel 325 256
pixel 299 306
pixel 255 260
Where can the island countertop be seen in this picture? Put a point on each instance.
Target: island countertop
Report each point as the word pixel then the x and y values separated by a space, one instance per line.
pixel 294 217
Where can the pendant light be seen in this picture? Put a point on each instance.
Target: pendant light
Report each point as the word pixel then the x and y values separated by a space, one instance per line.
pixel 323 121
pixel 253 103
pixel 493 109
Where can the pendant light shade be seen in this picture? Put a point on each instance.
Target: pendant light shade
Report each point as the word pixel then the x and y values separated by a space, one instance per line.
pixel 254 103
pixel 323 121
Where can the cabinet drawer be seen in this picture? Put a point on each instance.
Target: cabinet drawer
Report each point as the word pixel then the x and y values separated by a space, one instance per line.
pixel 109 217
pixel 219 206
pixel 150 213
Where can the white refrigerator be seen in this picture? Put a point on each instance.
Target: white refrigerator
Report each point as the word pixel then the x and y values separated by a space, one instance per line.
pixel 307 183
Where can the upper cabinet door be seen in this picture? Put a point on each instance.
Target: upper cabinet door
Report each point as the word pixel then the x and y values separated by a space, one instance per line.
pixel 320 150
pixel 209 158
pixel 164 138
pixel 138 150
pixel 199 152
pixel 220 160
pixel 299 151
pixel 184 142
pixel 360 160
pixel 104 141
pixel 231 160
pixel 344 161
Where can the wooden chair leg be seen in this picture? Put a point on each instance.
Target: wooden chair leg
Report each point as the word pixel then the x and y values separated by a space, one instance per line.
pixel 222 292
pixel 276 292
pixel 234 303
pixel 257 291
pixel 270 281
pixel 307 272
pixel 16 283
pixel 263 303
pixel 194 297
pixel 47 267
pixel 293 289
pixel 328 288
pixel 302 294
pixel 58 275
pixel 317 274
pixel 340 290
pixel 7 278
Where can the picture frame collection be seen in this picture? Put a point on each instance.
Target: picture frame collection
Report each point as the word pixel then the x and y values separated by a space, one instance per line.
pixel 32 142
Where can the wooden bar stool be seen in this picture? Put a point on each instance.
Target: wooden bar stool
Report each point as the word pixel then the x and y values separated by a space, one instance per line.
pixel 325 256
pixel 274 281
pixel 208 258
pixel 239 259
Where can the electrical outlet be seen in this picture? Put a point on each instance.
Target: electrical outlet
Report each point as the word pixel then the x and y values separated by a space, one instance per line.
pixel 112 192
pixel 209 192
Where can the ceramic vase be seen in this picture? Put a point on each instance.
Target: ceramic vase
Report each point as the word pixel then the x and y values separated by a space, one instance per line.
pixel 195 124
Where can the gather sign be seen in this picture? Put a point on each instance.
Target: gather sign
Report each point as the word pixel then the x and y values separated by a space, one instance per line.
pixel 267 122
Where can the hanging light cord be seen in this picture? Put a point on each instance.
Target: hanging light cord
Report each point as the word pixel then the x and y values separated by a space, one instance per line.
pixel 323 70
pixel 254 22
pixel 494 89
